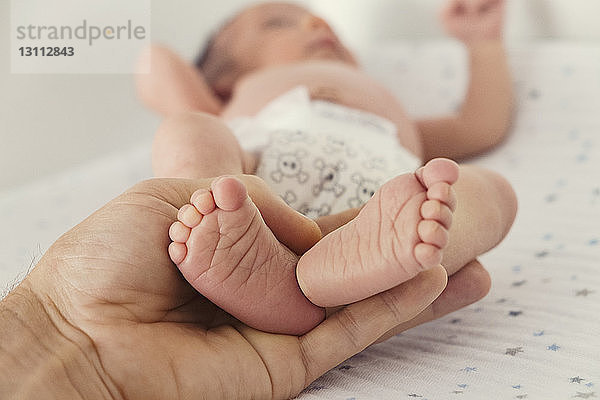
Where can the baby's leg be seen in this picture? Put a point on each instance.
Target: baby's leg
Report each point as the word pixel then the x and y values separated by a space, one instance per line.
pixel 225 250
pixel 196 145
pixel 486 208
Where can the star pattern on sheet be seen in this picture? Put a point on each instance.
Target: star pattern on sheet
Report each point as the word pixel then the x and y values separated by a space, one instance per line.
pixel 553 347
pixel 584 292
pixel 542 254
pixel 515 313
pixel 534 94
pixel 514 351
pixel 551 198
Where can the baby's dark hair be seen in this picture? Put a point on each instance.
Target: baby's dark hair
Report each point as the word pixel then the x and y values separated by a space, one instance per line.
pixel 205 51
pixel 215 62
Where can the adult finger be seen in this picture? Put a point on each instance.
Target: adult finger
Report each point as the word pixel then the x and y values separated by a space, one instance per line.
pixel 358 325
pixel 470 284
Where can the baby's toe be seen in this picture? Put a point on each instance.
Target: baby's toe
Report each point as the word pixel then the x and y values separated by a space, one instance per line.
pixel 179 233
pixel 189 216
pixel 177 252
pixel 438 170
pixel 432 232
pixel 203 200
pixel 229 193
pixel 428 255
pixel 437 211
pixel 443 193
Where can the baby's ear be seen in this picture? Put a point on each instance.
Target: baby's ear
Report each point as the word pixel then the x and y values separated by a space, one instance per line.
pixel 220 75
pixel 222 89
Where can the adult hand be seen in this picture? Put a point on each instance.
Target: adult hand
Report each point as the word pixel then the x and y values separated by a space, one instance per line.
pixel 105 314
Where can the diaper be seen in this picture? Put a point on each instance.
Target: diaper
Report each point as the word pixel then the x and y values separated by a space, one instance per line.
pixel 322 158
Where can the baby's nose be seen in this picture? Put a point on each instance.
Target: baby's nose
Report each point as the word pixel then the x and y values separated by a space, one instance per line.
pixel 314 22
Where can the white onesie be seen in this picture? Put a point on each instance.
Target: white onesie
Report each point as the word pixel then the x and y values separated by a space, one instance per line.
pixel 322 158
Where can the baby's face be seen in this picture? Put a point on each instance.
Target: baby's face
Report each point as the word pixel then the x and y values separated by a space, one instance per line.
pixel 279 33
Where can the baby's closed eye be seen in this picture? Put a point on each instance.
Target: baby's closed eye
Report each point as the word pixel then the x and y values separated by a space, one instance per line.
pixel 279 22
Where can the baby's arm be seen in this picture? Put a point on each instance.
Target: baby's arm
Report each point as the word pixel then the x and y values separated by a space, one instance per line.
pixel 173 85
pixel 485 116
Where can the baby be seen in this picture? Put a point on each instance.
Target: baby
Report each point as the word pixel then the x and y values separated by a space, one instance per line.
pixel 290 104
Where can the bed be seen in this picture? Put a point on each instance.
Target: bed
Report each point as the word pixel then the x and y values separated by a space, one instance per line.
pixel 537 334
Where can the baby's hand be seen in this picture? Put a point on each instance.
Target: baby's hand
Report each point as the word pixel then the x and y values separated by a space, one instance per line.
pixel 474 20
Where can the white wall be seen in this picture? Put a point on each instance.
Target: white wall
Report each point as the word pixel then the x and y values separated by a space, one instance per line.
pixel 53 122
pixel 363 22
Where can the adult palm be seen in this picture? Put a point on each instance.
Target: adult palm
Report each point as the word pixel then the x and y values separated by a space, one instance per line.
pixel 112 291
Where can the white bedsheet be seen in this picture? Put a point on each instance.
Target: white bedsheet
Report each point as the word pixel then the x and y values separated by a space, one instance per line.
pixel 537 334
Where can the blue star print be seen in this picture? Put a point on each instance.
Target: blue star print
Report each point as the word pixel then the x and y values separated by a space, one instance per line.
pixel 553 347
pixel 515 313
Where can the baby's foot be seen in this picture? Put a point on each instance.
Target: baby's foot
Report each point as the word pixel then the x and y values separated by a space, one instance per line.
pixel 400 232
pixel 226 252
